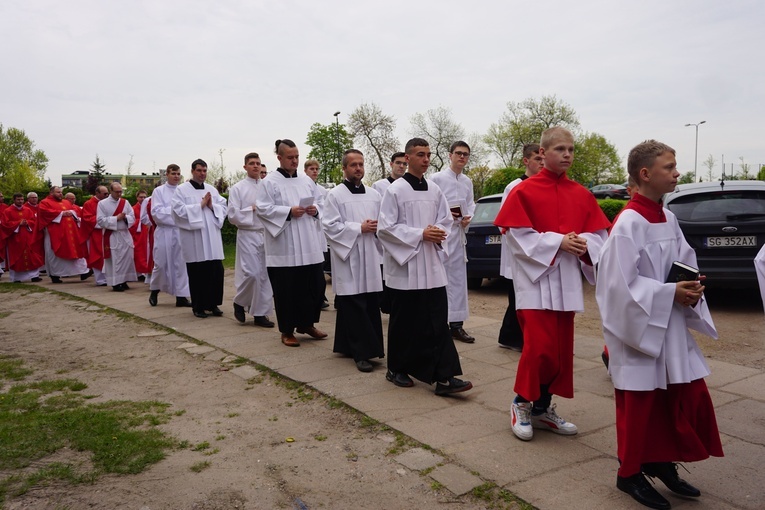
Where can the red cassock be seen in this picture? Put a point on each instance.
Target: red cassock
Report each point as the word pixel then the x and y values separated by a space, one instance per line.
pixel 3 207
pixel 22 255
pixel 88 231
pixel 64 236
pixel 143 242
pixel 39 236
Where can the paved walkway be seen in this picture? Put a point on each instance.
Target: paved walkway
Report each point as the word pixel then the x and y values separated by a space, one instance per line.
pixel 473 429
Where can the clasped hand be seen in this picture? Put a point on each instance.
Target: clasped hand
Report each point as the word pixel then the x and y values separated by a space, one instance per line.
pixel 433 234
pixel 574 244
pixel 689 293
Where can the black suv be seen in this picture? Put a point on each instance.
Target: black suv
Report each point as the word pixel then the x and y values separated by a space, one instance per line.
pixel 724 222
pixel 484 242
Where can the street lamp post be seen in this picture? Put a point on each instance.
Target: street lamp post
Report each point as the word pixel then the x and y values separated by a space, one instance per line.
pixel 337 137
pixel 696 155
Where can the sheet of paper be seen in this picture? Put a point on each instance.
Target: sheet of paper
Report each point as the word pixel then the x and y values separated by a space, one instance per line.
pixel 305 202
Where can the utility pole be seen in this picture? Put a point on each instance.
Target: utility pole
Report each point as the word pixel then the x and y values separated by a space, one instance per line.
pixel 696 155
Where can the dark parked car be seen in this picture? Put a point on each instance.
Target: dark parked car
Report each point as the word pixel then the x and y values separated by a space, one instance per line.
pixel 724 222
pixel 610 191
pixel 483 241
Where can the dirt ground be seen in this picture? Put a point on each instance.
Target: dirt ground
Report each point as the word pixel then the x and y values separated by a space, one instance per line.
pixel 335 461
pixel 738 316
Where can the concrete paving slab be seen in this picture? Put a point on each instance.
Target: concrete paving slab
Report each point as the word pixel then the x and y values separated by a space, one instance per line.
pixel 751 387
pixel 418 459
pixel 480 373
pixel 200 349
pixel 596 381
pixel 602 440
pixel 187 345
pixel 735 479
pixel 246 372
pixel 726 373
pixel 216 355
pixel 497 395
pixel 396 403
pixel 455 478
pixel 493 355
pixel 744 419
pixel 356 384
pixel 322 369
pixel 460 421
pixel 292 356
pixel 588 347
pixel 94 308
pixel 503 458
pixel 720 398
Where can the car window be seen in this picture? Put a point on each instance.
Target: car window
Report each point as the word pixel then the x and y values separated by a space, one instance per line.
pixel 718 206
pixel 485 212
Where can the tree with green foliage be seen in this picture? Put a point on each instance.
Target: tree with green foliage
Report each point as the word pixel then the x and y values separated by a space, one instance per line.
pixel 327 144
pixel 96 177
pixel 761 174
pixel 440 130
pixel 374 134
pixel 22 167
pixel 596 161
pixel 687 178
pixel 500 178
pixel 524 123
pixel 710 163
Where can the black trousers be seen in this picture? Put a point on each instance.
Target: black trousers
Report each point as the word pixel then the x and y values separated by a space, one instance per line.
pixel 358 328
pixel 510 333
pixel 205 284
pixel 298 295
pixel 419 341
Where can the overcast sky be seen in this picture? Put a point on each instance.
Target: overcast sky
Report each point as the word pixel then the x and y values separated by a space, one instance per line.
pixel 170 81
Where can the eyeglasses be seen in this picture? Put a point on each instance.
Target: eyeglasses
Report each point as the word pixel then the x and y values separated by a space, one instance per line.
pixel 462 154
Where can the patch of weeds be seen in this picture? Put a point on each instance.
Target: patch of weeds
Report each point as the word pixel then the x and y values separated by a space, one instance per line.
pixel 427 471
pixel 513 501
pixel 212 452
pixel 484 492
pixel 11 369
pixel 368 422
pixel 402 443
pixel 62 371
pixel 182 445
pixel 200 466
pixel 239 361
pixel 320 437
pixel 304 394
pixel 220 437
pixel 44 416
pixel 436 486
pixel 204 445
pixel 255 380
pixel 3 315
pixel 232 415
pixel 334 403
pixel 179 412
pixel 352 456
pixel 273 418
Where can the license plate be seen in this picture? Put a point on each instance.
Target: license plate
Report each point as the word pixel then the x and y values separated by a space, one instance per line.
pixel 731 242
pixel 495 239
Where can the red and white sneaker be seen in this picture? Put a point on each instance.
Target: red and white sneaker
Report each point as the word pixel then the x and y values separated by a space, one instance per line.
pixel 552 422
pixel 520 419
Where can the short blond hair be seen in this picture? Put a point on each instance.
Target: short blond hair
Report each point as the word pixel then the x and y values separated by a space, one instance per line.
pixel 549 136
pixel 310 162
pixel 643 155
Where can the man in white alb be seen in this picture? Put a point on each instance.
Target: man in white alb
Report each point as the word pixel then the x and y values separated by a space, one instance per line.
pixel 115 217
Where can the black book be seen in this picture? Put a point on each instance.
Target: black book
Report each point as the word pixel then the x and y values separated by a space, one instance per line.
pixel 680 272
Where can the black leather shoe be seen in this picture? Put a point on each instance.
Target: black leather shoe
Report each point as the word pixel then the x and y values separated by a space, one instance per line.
pixel 117 288
pixel 454 386
pixel 55 279
pixel 399 379
pixel 87 275
pixel 667 473
pixel 124 286
pixel 153 297
pixel 36 279
pixel 182 302
pixel 364 366
pixel 263 322
pixel 217 312
pixel 200 315
pixel 462 335
pixel 239 313
pixel 642 491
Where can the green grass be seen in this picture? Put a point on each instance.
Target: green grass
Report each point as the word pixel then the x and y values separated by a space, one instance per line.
pixel 229 256
pixel 200 466
pixel 39 418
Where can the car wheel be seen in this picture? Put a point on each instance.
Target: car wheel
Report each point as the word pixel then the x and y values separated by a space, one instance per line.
pixel 474 283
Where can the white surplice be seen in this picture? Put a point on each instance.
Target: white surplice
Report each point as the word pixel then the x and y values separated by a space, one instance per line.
pixel 382 185
pixel 320 206
pixel 290 242
pixel 409 262
pixel 458 190
pixel 199 226
pixel 759 267
pixel 646 332
pixel 253 288
pixel 120 267
pixel 505 267
pixel 169 273
pixel 356 257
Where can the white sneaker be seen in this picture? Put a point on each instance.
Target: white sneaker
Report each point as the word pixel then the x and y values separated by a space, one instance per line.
pixel 520 419
pixel 552 422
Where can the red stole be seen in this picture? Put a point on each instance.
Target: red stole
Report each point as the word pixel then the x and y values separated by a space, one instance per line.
pixel 108 233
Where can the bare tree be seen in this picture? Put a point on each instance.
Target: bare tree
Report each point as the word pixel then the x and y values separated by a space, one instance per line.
pixel 710 163
pixel 745 167
pixel 129 167
pixel 437 127
pixel 373 131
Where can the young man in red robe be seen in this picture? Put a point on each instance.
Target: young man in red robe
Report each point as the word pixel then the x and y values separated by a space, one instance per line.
pixel 64 253
pixel 91 235
pixel 664 413
pixel 17 227
pixel 555 231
